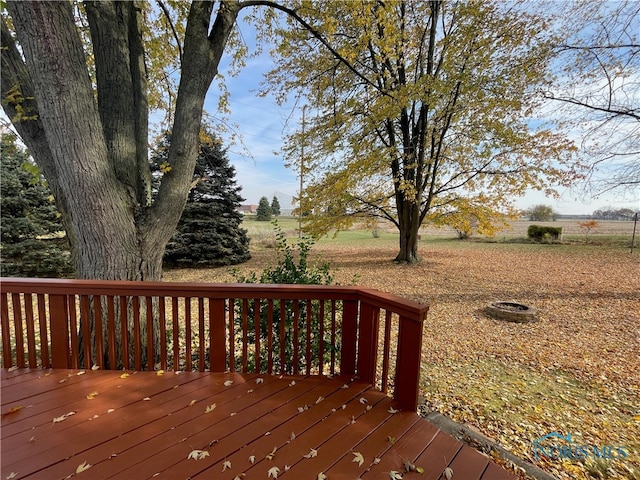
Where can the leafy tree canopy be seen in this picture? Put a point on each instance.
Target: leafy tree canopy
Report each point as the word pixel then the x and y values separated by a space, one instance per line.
pixel 420 112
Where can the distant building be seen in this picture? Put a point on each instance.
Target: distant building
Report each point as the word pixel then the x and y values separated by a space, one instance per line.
pixel 248 209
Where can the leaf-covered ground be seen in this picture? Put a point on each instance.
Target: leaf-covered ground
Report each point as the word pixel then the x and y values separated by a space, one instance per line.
pixel 575 371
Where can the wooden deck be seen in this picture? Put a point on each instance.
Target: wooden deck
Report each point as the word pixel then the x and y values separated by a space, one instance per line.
pixel 144 425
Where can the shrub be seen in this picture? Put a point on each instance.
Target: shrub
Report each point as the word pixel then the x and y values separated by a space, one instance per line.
pixel 539 233
pixel 293 267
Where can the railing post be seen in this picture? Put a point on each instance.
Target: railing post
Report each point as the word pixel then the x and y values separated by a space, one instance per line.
pixel 368 342
pixel 349 337
pixel 407 379
pixel 59 323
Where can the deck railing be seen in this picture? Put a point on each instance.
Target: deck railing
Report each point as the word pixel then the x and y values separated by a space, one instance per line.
pixel 285 329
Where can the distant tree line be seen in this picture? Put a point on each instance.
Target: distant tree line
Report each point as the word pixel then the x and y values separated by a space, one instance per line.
pixel 611 214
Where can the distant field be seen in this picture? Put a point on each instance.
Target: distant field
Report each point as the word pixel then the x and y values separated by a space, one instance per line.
pixel 607 231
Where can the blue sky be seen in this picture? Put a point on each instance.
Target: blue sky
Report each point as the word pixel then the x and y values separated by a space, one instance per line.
pixel 261 124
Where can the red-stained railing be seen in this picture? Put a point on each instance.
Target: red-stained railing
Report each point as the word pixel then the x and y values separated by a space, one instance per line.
pixel 286 329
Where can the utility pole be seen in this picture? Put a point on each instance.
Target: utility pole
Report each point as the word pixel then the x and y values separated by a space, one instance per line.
pixel 301 176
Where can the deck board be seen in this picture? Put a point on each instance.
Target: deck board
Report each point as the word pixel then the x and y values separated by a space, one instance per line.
pixel 145 426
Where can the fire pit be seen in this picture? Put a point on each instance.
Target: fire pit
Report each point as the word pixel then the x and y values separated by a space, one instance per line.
pixel 512 312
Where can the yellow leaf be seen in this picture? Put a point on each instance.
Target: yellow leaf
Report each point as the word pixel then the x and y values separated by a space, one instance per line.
pixel 159 373
pixel 12 410
pixel 210 408
pixel 312 453
pixel 124 375
pixel 92 395
pixel 272 454
pixel 83 467
pixel 358 458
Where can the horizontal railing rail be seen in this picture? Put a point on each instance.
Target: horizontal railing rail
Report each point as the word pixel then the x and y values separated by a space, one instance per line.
pixel 262 328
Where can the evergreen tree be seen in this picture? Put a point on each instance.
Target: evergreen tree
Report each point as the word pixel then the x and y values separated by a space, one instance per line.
pixel 208 233
pixel 30 224
pixel 263 214
pixel 275 206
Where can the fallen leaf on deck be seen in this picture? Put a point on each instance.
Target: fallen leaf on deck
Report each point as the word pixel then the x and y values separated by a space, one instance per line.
pixel 239 477
pixel 273 472
pixel 198 454
pixel 272 454
pixel 376 460
pixel 392 410
pixel 15 409
pixel 322 476
pixel 124 375
pixel 159 373
pixel 92 395
pixel 63 417
pixel 83 467
pixel 393 475
pixel 95 367
pixel 146 399
pixel 319 400
pixel 111 410
pixel 391 440
pixel 250 390
pixel 11 475
pixel 210 408
pixel 192 403
pixel 13 369
pixel 228 383
pixel 358 458
pixel 259 380
pixel 81 373
pixel 312 453
pixel 226 464
pixel 293 382
pixel 345 386
pixel 293 436
pixel 364 401
pixel 448 473
pixel 252 459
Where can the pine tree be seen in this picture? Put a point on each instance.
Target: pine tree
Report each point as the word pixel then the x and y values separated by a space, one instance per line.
pixel 208 233
pixel 30 225
pixel 263 214
pixel 275 206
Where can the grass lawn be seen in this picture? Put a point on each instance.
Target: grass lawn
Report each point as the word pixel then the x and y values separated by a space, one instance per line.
pixel 575 371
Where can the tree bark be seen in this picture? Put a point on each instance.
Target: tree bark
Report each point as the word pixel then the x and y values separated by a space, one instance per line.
pixel 408 225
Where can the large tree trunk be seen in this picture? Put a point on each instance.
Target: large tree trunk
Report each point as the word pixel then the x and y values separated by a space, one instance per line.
pixel 408 225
